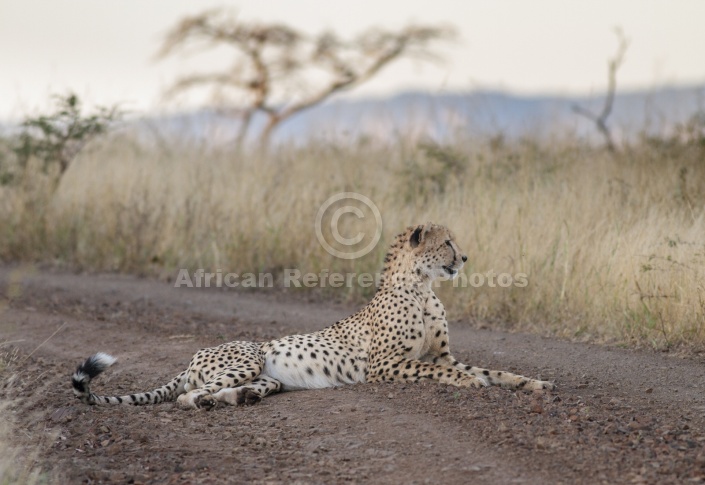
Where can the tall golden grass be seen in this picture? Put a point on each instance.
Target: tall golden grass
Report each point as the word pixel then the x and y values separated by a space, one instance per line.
pixel 613 244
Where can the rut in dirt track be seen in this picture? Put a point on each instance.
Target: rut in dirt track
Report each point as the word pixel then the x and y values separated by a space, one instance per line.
pixel 618 416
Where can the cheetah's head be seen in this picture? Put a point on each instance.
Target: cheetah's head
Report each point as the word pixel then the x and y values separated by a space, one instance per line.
pixel 435 252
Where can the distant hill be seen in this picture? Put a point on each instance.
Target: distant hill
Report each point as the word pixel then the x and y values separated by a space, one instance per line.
pixel 443 115
pixel 467 114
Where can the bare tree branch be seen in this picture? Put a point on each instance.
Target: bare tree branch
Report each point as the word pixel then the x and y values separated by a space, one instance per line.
pixel 612 67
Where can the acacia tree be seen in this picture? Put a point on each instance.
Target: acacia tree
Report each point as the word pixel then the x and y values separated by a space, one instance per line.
pixel 279 71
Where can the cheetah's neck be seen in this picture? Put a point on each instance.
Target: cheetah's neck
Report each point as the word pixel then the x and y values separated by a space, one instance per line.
pixel 400 270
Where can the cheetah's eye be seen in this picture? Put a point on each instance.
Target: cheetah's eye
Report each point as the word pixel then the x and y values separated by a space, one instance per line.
pixel 448 242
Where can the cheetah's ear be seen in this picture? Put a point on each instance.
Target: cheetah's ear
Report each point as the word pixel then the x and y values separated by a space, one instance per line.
pixel 416 237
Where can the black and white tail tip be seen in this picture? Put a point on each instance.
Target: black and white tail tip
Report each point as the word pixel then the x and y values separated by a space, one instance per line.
pixel 92 367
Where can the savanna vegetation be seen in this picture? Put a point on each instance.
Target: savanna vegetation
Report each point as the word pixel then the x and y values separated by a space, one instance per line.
pixel 611 241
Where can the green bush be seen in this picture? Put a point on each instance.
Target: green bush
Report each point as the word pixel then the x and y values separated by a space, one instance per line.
pixel 57 138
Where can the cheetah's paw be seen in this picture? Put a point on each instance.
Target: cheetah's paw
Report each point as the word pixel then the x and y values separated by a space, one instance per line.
pixel 475 381
pixel 206 401
pixel 247 398
pixel 535 385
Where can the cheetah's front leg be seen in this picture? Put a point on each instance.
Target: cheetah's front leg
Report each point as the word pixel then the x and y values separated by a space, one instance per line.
pixel 442 355
pixel 502 378
pixel 438 352
pixel 412 370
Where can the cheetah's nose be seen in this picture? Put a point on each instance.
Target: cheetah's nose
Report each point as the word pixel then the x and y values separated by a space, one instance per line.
pixel 465 258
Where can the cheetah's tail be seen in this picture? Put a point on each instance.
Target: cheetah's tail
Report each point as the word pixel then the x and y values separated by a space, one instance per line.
pixel 96 364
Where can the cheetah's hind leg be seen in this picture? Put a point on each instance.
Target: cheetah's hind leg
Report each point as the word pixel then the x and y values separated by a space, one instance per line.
pixel 227 366
pixel 250 393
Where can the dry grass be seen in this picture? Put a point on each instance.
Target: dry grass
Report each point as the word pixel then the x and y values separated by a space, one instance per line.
pixel 612 245
pixel 16 465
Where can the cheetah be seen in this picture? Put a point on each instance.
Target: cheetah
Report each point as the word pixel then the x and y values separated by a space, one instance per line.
pixel 401 335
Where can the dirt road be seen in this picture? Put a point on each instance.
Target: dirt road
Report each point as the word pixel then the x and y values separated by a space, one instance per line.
pixel 619 416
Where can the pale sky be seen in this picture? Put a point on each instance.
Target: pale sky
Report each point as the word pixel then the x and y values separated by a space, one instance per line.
pixel 103 50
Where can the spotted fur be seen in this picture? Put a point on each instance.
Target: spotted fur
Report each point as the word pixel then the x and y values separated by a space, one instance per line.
pixel 401 335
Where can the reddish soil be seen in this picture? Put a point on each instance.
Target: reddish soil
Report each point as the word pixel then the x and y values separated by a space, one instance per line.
pixel 619 416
